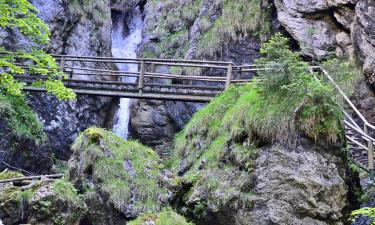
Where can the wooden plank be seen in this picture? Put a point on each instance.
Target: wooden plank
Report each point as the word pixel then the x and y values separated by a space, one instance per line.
pixel 122 94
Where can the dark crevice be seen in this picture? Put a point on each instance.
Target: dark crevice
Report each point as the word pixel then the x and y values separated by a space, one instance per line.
pixel 331 13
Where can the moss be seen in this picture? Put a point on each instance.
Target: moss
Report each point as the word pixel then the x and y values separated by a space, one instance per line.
pixel 64 190
pixel 216 150
pixel 167 216
pixel 105 155
pixel 22 121
pixel 10 174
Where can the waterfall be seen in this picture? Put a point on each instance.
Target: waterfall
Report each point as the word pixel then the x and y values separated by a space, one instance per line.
pixel 126 37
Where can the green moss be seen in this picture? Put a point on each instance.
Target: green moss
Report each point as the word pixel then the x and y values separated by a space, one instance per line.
pixel 10 174
pixel 64 190
pixel 167 216
pixel 106 155
pixel 22 121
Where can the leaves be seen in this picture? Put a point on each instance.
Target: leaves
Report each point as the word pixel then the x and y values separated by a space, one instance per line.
pixel 22 16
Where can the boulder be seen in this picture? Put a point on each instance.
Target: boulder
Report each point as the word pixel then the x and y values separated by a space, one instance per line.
pixel 119 179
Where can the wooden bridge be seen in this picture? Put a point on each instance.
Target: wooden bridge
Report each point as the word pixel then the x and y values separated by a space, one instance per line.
pixel 188 80
pixel 166 79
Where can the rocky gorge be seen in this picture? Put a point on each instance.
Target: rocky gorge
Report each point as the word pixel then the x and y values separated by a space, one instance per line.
pixel 226 162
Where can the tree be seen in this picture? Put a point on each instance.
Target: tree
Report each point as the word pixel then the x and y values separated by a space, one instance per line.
pixel 22 16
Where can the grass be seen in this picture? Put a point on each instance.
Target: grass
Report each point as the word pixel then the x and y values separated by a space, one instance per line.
pixel 235 20
pixel 21 120
pixel 89 10
pixel 165 217
pixel 216 150
pixel 106 155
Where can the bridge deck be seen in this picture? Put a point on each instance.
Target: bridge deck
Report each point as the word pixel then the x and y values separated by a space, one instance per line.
pixel 162 79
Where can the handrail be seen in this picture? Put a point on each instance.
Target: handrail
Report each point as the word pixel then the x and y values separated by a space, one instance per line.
pixel 345 97
pixel 363 134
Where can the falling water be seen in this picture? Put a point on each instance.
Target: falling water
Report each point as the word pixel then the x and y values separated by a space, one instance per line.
pixel 126 37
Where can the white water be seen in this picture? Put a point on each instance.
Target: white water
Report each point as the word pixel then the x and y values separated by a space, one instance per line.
pixel 125 46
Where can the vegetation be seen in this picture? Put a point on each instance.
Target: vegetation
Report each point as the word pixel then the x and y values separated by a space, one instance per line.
pixel 216 150
pixel 236 19
pixel 106 155
pixel 89 10
pixel 22 121
pixel 167 216
pixel 21 15
pixel 366 211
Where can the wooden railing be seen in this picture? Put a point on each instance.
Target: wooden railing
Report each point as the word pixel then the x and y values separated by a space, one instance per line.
pixel 360 141
pixel 186 80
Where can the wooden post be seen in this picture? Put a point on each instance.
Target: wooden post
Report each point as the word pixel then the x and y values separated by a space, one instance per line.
pixel 141 77
pixel 152 68
pixel 370 155
pixel 62 65
pixel 229 75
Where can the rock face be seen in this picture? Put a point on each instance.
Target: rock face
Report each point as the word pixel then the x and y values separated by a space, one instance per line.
pixel 303 184
pixel 20 152
pixel 323 28
pixel 288 191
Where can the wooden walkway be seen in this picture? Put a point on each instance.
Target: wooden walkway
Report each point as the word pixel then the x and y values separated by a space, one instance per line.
pixel 165 79
pixel 358 132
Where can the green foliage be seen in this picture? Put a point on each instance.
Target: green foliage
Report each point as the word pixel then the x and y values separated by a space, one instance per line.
pixel 165 217
pixel 306 103
pixel 235 20
pixel 21 15
pixel 106 154
pixel 366 211
pixel 346 74
pixel 89 10
pixel 65 191
pixel 10 174
pixel 22 121
pixel 215 152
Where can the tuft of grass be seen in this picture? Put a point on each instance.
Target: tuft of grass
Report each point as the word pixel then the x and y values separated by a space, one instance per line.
pixel 122 170
pixel 89 10
pixel 22 121
pixel 221 22
pixel 166 216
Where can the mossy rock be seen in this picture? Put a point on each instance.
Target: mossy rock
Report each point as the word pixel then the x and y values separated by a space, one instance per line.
pixel 43 203
pixel 125 176
pixel 165 217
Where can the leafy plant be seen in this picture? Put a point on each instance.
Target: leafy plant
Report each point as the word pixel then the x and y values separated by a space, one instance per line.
pixel 21 15
pixel 366 211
